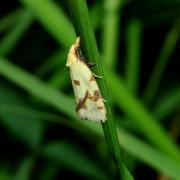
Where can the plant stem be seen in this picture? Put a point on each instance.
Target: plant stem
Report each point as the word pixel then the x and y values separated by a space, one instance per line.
pixel 161 64
pixel 133 47
pixel 80 16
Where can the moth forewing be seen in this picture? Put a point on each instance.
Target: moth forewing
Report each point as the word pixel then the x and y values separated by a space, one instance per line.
pixel 89 101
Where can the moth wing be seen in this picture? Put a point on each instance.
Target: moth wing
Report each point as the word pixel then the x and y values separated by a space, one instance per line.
pixel 91 111
pixel 80 74
pixel 89 101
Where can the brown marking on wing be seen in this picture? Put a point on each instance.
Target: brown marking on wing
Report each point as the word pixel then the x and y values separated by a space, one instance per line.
pixel 100 107
pixel 82 103
pixel 76 82
pixel 92 78
pixel 96 95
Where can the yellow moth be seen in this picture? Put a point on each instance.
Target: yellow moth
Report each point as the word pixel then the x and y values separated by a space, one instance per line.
pixel 89 102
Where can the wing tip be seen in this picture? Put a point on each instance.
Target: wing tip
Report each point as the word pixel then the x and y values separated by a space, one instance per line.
pixel 97 118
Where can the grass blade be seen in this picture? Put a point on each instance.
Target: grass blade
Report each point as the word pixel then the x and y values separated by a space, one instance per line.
pixel 68 154
pixel 167 104
pixel 10 40
pixel 159 68
pixel 133 36
pixel 11 19
pixel 79 13
pixel 24 169
pixel 149 155
pixel 143 119
pixel 51 63
pixel 56 22
pixel 37 88
pixel 111 32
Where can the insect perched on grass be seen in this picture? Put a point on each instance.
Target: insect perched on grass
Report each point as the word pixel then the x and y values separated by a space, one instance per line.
pixel 90 104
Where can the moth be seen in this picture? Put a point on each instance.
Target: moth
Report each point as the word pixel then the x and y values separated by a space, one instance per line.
pixel 89 102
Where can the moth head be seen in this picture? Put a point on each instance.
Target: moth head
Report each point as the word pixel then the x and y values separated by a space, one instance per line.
pixel 73 53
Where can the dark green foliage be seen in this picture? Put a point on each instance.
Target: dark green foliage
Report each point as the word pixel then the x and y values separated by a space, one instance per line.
pixel 41 137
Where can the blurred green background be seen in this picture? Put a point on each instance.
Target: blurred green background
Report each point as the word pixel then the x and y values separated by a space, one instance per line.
pixel 41 137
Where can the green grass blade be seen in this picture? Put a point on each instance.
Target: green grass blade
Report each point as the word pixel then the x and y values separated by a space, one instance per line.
pixel 9 41
pixel 162 61
pixel 59 80
pixel 142 152
pixel 50 95
pixel 133 51
pixel 17 123
pixel 111 32
pixel 37 88
pixel 59 77
pixel 53 19
pixel 86 127
pixel 146 124
pixel 24 170
pixel 167 104
pixel 55 60
pixel 11 19
pixel 4 173
pixel 149 155
pixel 134 116
pixel 79 13
pixel 52 62
pixel 69 155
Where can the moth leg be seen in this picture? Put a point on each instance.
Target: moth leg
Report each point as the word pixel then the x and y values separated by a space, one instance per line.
pixel 82 58
pixel 96 76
